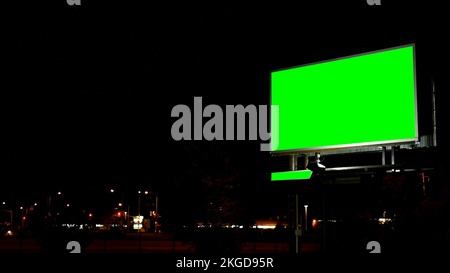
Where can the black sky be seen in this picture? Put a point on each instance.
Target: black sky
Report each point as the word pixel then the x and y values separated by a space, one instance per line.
pixel 87 90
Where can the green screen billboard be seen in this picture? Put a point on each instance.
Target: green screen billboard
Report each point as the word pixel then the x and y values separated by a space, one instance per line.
pixel 359 100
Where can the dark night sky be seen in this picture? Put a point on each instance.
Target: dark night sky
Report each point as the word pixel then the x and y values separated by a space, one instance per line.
pixel 87 91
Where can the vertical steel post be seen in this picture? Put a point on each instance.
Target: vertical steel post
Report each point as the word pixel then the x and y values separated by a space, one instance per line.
pixel 434 117
pixel 392 155
pixel 292 167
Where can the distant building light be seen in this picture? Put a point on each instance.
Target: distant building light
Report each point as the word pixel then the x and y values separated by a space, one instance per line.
pixel 384 220
pixel 264 226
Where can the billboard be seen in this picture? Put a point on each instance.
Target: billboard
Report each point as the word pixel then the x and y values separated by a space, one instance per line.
pixel 355 101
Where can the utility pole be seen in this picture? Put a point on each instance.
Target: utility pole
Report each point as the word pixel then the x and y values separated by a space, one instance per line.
pixel 157 214
pixel 156 210
pixel 434 117
pixel 139 212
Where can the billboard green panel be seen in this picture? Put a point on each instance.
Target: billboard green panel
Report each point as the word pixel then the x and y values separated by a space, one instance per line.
pixel 359 100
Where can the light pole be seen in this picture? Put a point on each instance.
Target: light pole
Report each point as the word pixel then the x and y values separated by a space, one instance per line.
pixel 113 201
pixel 120 207
pixel 156 206
pixel 22 219
pixel 156 210
pixel 139 211
pixel 139 203
pixel 49 202
pixel 306 217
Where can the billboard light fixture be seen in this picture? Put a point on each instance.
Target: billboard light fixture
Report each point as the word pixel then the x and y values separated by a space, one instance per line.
pixel 317 160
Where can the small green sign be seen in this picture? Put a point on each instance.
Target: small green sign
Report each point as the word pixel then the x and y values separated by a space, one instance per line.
pixel 291 175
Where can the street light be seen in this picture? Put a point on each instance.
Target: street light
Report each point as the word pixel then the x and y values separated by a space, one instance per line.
pixel 139 211
pixel 51 207
pixel 156 209
pixel 139 203
pixel 156 205
pixel 119 205
pixel 23 217
pixel 306 217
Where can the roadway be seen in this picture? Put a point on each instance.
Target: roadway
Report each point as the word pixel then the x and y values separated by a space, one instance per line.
pixel 146 243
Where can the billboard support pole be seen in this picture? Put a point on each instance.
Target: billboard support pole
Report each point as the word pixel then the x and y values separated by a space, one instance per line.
pixel 293 160
pixel 383 155
pixel 305 162
pixel 392 155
